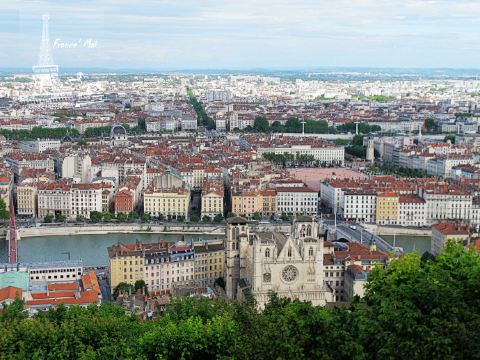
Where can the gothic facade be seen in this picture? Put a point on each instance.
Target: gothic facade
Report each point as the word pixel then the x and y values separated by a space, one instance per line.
pixel 289 264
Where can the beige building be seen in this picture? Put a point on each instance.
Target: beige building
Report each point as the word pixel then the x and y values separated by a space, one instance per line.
pixel 167 195
pixel 387 208
pixel 209 263
pixel 445 232
pixel 27 199
pixel 246 203
pixel 212 199
pixel 69 200
pixel 125 264
pixel 163 266
pixel 54 198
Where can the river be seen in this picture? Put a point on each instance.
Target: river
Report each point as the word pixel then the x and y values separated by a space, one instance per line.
pixel 92 249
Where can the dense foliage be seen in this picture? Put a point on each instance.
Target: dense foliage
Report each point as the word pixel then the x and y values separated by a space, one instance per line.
pixel 419 308
pixel 4 213
pixel 202 117
pixel 38 133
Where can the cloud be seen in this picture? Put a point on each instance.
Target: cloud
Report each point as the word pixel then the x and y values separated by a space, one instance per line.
pixel 248 33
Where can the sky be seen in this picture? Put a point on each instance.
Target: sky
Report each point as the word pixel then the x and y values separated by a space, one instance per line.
pixel 243 34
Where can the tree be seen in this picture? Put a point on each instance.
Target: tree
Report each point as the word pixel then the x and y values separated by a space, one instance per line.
pixel 95 216
pixel 218 218
pixel 450 137
pixel 48 218
pixel 145 217
pixel 285 217
pixel 293 125
pixel 142 286
pixel 260 124
pixel 107 216
pixel 60 218
pixel 4 213
pixel 430 124
pixel 430 303
pixel 121 287
pixel 122 217
pixel 206 219
pixel 132 216
pixel 257 216
pixel 194 218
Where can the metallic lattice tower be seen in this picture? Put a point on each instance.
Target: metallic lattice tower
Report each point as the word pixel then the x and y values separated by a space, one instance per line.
pixel 45 72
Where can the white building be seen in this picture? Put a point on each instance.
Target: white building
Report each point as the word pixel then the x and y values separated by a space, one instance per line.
pixel 358 206
pixel 446 204
pixel 77 166
pixel 40 145
pixel 327 154
pixel 85 198
pixel 411 211
pixel 297 201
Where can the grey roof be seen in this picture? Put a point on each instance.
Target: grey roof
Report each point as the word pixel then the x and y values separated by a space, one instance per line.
pixel 303 218
pixel 208 248
pixel 274 238
pixel 237 220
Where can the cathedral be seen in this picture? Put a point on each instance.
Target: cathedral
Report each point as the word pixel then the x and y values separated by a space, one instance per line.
pixel 289 264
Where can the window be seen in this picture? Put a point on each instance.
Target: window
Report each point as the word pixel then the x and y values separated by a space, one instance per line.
pixel 289 252
pixel 310 251
pixel 267 252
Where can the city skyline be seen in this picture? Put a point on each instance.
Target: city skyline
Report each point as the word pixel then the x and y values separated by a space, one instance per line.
pixel 247 35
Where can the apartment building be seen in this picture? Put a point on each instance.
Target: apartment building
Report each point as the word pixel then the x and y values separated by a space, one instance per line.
pixel 76 167
pixel 69 200
pixel 162 265
pixel 444 232
pixel 209 263
pixel 297 201
pixel 168 268
pixel 125 264
pixel 27 199
pixel 212 199
pixel 54 198
pixel 387 208
pixel 85 198
pixel 167 195
pixel 19 161
pixel 247 202
pixel 359 205
pixel 339 259
pixel 269 197
pixel 442 166
pixel 444 202
pixel 411 211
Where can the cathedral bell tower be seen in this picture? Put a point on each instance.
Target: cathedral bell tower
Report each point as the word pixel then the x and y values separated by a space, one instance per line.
pixel 237 228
